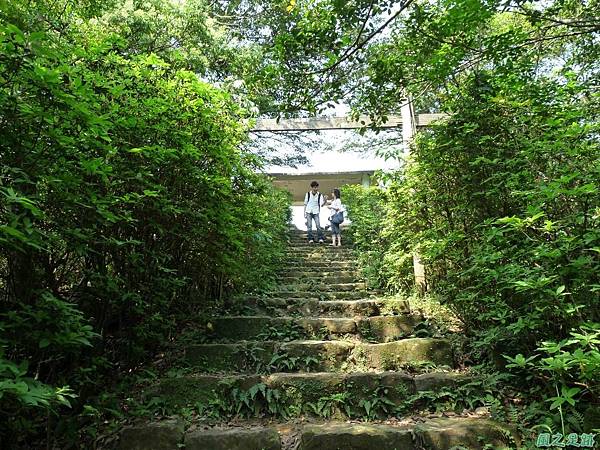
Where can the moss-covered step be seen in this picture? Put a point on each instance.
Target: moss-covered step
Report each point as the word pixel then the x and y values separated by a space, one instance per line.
pixel 318 264
pixel 325 295
pixel 316 278
pixel 321 286
pixel 434 434
pixel 295 241
pixel 320 267
pixel 321 253
pixel 170 435
pixel 316 258
pixel 315 246
pixel 392 355
pixel 332 308
pixel 296 390
pixel 163 435
pixel 319 275
pixel 379 328
pixel 257 438
pixel 319 355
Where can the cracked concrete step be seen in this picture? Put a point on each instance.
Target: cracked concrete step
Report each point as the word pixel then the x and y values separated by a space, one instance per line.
pixel 328 356
pixel 331 308
pixel 321 287
pixel 297 390
pixel 379 328
pixel 432 434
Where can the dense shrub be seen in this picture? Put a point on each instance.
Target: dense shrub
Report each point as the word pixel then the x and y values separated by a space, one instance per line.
pixel 501 201
pixel 367 211
pixel 126 202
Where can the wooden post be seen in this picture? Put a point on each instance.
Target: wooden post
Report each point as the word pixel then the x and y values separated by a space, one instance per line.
pixel 409 128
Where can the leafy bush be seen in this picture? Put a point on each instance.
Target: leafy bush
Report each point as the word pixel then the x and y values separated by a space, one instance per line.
pixel 366 209
pixel 501 202
pixel 126 202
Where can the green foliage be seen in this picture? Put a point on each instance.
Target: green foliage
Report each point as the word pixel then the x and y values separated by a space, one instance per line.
pixel 290 331
pixel 326 406
pixel 125 202
pixel 501 200
pixel 501 203
pixel 22 392
pixel 254 401
pixel 283 362
pixel 573 368
pixel 367 212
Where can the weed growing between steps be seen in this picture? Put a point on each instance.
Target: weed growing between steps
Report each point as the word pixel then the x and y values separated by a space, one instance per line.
pixel 283 362
pixel 284 333
pixel 232 401
pixel 482 393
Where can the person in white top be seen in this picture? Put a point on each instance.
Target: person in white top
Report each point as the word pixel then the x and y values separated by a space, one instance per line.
pixel 334 207
pixel 313 200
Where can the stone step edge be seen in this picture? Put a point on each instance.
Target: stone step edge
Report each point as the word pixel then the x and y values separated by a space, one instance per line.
pixel 364 294
pixel 324 308
pixel 320 298
pixel 329 355
pixel 323 287
pixel 430 381
pixel 379 328
pixel 434 434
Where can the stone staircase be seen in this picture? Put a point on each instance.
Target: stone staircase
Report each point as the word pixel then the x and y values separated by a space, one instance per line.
pixel 319 363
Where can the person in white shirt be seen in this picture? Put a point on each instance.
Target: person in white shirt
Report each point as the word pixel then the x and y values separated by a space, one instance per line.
pixel 313 200
pixel 334 207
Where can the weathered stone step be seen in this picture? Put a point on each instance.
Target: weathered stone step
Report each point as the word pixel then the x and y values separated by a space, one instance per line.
pixel 331 308
pixel 325 295
pixel 298 390
pixel 320 249
pixel 320 355
pixel 170 435
pixel 433 434
pixel 332 252
pixel 316 265
pixel 379 328
pixel 321 263
pixel 321 287
pixel 319 279
pixel 320 260
pixel 304 245
pixel 300 274
pixel 324 253
pixel 303 237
